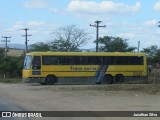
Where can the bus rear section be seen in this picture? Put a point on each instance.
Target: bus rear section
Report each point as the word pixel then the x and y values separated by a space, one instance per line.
pixel 82 68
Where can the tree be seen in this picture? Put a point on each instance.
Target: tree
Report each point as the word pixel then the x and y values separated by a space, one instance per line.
pixel 2 60
pixel 20 63
pixel 69 38
pixel 1 54
pixel 114 44
pixel 153 54
pixel 11 65
pixel 40 46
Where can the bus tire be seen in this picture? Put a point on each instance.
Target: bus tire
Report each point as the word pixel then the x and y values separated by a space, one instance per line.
pixel 108 79
pixel 50 80
pixel 42 83
pixel 119 78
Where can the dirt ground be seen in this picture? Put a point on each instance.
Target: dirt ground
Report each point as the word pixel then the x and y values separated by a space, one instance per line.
pixel 35 97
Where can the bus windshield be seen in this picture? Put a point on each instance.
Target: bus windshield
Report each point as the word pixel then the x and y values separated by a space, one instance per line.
pixel 27 62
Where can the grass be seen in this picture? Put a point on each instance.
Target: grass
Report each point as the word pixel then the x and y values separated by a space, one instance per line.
pixel 10 80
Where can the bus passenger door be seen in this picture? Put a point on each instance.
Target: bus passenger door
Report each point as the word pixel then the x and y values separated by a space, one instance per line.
pixel 36 65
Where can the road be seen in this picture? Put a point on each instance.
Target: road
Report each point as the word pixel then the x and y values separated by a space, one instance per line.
pixel 7 105
pixel 26 97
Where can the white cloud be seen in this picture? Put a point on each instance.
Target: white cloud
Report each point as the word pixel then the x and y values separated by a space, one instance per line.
pixel 17 26
pixel 157 6
pixel 102 7
pixel 36 23
pixel 1 25
pixel 125 23
pixel 126 35
pixel 151 22
pixel 157 33
pixel 40 31
pixel 35 4
pixel 53 10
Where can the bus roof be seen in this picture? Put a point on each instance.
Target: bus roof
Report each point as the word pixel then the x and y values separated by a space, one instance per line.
pixel 85 54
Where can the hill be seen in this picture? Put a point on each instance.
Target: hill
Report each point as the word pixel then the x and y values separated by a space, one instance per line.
pixel 16 46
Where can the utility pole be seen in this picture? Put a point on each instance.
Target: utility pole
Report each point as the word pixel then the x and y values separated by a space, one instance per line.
pixel 26 36
pixel 6 50
pixel 138 46
pixel 97 28
pixel 6 41
pixel 159 24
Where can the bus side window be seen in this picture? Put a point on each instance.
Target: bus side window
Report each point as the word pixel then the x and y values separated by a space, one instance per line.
pixel 36 62
pixel 99 60
pixel 70 60
pixel 54 60
pixel 122 60
pixel 92 60
pixel 81 60
pixel 136 60
pixel 66 60
pixel 108 60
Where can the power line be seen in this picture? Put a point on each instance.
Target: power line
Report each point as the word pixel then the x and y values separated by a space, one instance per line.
pixel 97 28
pixel 26 36
pixel 6 41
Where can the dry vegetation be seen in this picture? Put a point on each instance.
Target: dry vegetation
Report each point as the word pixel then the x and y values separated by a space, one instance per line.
pixel 154 77
pixel 155 72
pixel 129 87
pixel 15 52
pixel 87 89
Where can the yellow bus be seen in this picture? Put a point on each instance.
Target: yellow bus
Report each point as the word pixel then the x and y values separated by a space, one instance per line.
pixel 83 67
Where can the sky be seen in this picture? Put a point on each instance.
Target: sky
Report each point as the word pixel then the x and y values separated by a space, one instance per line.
pixel 134 20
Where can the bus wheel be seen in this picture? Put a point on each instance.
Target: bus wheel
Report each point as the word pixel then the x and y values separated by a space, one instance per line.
pixel 50 80
pixel 119 79
pixel 42 83
pixel 108 79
